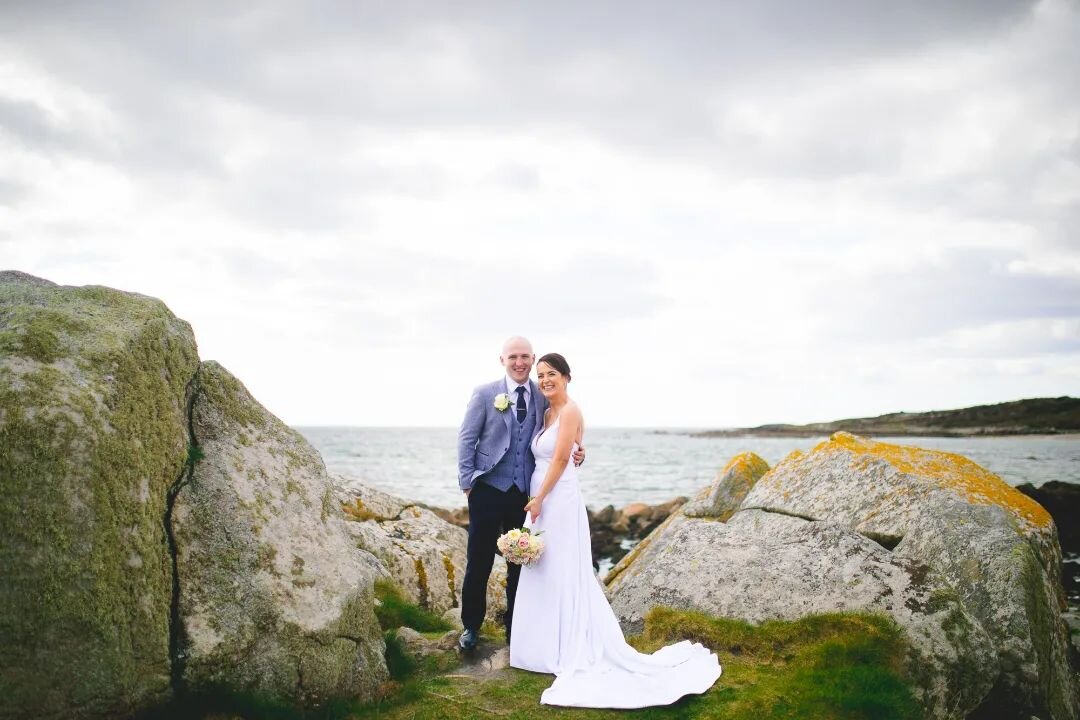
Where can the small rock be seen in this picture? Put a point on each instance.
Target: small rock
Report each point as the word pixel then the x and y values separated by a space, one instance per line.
pixel 453 616
pixel 420 646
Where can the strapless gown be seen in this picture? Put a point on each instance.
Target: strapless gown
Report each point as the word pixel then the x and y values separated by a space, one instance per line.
pixel 563 623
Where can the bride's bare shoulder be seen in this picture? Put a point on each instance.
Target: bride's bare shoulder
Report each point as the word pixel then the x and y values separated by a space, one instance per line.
pixel 574 411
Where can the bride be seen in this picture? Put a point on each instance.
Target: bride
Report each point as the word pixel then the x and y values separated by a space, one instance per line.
pixel 562 622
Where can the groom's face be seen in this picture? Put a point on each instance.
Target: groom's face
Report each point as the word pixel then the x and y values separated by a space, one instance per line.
pixel 517 358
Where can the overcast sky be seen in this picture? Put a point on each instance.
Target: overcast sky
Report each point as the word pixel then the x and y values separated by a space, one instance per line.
pixel 721 213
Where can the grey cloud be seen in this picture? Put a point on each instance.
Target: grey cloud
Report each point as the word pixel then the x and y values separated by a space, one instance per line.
pixel 635 73
pixel 26 121
pixel 657 79
pixel 658 58
pixel 12 193
pixel 969 289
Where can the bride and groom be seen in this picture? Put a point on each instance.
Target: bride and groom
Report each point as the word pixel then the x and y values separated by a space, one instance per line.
pixel 514 464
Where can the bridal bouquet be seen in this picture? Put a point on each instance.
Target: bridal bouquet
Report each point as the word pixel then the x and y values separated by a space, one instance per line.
pixel 520 547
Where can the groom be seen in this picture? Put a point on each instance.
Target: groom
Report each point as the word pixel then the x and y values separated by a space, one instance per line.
pixel 495 464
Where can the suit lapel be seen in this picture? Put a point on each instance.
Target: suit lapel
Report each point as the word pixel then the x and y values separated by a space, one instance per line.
pixel 508 411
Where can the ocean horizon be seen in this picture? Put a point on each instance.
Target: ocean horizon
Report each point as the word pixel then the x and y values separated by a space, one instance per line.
pixel 646 464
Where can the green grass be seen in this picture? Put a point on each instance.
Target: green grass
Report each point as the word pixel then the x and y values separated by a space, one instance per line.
pixel 395 611
pixel 845 666
pixel 835 667
pixel 399 662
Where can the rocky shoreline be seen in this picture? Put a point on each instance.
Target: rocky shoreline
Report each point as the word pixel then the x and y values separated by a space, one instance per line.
pixel 1062 501
pixel 1034 416
pixel 165 536
pixel 614 530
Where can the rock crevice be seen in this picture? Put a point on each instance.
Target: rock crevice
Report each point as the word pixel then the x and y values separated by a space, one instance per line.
pixel 177 634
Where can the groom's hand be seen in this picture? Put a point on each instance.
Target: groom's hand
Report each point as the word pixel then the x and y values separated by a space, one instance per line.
pixel 579 456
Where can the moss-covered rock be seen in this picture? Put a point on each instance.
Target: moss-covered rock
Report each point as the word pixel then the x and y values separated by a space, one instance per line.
pixel 93 434
pixel 997 548
pixel 276 599
pixel 423 554
pixel 762 566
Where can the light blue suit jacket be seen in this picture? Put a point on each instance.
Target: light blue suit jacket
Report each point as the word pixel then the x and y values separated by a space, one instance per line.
pixel 485 432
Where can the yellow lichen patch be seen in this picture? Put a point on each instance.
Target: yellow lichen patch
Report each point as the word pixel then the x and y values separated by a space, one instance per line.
pixel 746 465
pixel 945 470
pixel 421 581
pixel 791 458
pixel 449 565
pixel 357 511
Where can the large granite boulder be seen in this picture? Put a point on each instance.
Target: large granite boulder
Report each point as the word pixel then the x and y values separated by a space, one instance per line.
pixel 422 553
pixel 759 566
pixel 964 564
pixel 93 435
pixel 275 598
pixel 996 547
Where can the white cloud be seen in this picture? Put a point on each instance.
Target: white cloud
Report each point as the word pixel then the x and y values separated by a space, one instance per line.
pixel 721 216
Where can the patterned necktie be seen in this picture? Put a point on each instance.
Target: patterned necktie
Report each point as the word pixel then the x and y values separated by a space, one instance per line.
pixel 521 404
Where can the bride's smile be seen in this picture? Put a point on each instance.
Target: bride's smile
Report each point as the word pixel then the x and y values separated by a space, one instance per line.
pixel 550 381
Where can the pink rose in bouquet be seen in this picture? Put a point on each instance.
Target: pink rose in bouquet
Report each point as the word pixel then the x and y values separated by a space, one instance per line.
pixel 521 546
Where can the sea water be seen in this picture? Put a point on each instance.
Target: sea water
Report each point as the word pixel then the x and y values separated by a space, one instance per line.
pixel 646 465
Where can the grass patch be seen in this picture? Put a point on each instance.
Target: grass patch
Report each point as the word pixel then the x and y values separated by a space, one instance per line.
pixel 395 611
pixel 224 703
pixel 839 665
pixel 398 660
pixel 844 666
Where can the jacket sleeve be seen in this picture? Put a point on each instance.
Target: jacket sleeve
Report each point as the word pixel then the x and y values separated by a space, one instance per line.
pixel 468 436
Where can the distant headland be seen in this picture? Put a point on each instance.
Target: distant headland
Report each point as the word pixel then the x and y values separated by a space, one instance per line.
pixel 1034 416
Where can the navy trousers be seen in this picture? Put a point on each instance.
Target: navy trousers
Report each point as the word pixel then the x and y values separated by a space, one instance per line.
pixel 492 512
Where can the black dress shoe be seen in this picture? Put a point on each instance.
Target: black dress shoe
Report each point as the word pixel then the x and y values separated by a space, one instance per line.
pixel 468 640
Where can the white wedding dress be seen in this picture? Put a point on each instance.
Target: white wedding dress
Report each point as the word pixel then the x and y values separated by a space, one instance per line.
pixel 564 625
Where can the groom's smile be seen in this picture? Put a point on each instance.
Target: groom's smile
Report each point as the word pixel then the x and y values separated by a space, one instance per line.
pixel 517 358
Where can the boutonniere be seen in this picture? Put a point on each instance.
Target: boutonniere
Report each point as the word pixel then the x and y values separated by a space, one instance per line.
pixel 502 401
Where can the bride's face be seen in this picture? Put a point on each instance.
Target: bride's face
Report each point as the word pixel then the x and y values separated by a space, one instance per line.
pixel 549 379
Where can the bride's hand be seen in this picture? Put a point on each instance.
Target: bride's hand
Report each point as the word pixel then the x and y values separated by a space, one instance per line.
pixel 533 507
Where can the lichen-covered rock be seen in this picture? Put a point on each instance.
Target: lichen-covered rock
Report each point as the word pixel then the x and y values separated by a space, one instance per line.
pixel 421 647
pixel 92 436
pixel 721 499
pixel 760 566
pixel 995 546
pixel 275 598
pixel 424 554
pixel 717 501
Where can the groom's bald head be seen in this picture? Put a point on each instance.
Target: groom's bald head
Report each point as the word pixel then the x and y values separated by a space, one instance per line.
pixel 517 358
pixel 516 342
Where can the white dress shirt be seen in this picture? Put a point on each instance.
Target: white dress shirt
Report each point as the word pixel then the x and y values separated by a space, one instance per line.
pixel 511 390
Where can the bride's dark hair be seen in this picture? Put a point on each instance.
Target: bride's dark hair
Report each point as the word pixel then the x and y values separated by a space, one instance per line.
pixel 558 362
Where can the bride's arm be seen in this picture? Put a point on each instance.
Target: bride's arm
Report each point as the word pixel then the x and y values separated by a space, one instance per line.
pixel 570 422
